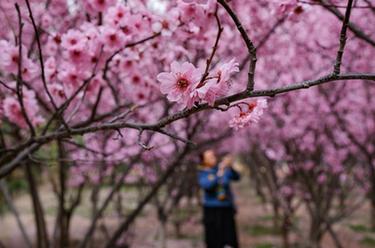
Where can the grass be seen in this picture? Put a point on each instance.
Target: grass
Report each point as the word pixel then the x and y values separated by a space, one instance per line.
pixel 359 228
pixel 268 217
pixel 264 245
pixel 261 230
pixel 368 241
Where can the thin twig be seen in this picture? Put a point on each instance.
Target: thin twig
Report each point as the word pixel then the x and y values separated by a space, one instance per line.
pixel 41 60
pixel 214 49
pixel 354 28
pixel 332 5
pixel 8 87
pixel 19 76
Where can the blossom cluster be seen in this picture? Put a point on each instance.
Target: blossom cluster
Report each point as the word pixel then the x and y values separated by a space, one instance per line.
pixel 187 85
pixel 252 114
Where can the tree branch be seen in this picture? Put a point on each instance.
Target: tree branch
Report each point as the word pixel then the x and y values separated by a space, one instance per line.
pixel 249 44
pixel 25 149
pixel 340 52
pixel 354 28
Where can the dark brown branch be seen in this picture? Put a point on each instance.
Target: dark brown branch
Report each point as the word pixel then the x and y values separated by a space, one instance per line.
pixel 249 44
pixel 332 5
pixel 40 53
pixel 7 87
pixel 214 49
pixel 41 60
pixel 19 86
pixel 354 28
pixel 372 7
pixel 340 52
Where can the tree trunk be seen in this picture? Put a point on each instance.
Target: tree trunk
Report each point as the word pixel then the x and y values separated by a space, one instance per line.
pixel 276 215
pixel 163 235
pixel 315 234
pixel 372 209
pixel 285 228
pixel 177 228
pixel 335 239
pixel 42 234
pixel 63 215
pixel 372 194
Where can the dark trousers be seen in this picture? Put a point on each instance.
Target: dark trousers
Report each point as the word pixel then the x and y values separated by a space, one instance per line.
pixel 220 227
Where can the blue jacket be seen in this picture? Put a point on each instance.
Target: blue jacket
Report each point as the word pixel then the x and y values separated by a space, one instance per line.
pixel 217 192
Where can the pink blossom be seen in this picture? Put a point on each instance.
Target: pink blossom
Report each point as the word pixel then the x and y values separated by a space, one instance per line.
pixel 77 55
pixel 286 191
pixel 194 11
pixel 13 111
pixel 29 70
pixel 322 178
pixel 220 82
pixel 166 24
pixel 112 39
pixel 58 93
pixel 252 115
pixel 50 68
pixel 286 6
pixel 180 82
pixel 10 57
pixel 95 6
pixel 117 15
pixel 73 39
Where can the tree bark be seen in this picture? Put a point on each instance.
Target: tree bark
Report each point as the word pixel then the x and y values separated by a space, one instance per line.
pixel 42 234
pixel 372 193
pixel 62 216
pixel 285 228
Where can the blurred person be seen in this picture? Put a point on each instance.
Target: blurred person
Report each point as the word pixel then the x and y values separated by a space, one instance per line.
pixel 218 203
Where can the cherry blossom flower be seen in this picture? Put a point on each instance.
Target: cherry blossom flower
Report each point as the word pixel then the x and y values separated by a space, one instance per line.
pixel 322 178
pixel 13 111
pixel 117 15
pixel 180 82
pixel 112 39
pixel 252 115
pixel 220 82
pixel 95 6
pixel 73 39
pixel 166 24
pixel 10 57
pixel 195 11
pixel 50 68
pixel 58 93
pixel 286 191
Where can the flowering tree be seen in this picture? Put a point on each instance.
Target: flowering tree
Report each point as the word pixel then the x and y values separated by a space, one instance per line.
pixel 128 81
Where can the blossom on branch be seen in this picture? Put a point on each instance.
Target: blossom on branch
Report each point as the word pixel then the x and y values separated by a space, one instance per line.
pixel 252 115
pixel 219 82
pixel 180 83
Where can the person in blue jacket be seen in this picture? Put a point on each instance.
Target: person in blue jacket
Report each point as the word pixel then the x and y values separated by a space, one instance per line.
pixel 218 202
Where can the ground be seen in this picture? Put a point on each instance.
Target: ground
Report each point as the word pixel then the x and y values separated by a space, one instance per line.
pixel 253 220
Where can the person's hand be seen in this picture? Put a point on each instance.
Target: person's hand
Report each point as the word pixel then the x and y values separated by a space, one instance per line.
pixel 227 161
pixel 220 172
pixel 224 164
